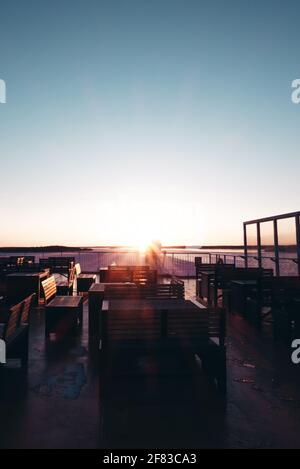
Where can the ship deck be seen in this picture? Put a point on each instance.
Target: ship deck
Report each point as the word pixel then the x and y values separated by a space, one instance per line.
pixel 155 402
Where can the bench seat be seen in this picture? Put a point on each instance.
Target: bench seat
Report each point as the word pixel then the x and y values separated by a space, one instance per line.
pixel 65 302
pixel 84 279
pixel 93 276
pixel 62 312
pixel 15 332
pixel 84 282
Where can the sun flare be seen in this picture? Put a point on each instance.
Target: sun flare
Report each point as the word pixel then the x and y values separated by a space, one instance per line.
pixel 142 245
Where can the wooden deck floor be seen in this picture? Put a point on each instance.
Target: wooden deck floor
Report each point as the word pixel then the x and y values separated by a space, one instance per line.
pixel 154 402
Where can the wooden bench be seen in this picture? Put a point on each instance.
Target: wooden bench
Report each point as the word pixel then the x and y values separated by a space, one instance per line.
pixel 109 291
pixel 164 325
pixel 84 280
pixel 62 313
pixel 143 275
pixel 22 262
pixel 15 331
pixel 59 264
pixel 223 277
pixel 16 260
pixel 254 300
pixel 128 273
pixel 96 295
pixel 118 274
pixel 174 289
pixel 65 287
pixel 204 276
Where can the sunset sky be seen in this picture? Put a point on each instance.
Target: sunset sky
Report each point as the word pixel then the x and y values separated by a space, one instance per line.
pixel 133 120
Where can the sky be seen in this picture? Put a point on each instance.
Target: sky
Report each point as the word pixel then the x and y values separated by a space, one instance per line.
pixel 133 120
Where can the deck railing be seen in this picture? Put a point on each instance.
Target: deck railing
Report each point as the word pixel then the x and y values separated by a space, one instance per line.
pixel 170 262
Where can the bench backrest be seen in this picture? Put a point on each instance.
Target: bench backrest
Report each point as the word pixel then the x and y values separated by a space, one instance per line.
pixel 123 291
pixel 77 269
pixel 226 275
pixel 58 264
pixel 49 288
pixel 28 260
pixel 143 276
pixel 200 325
pixel 13 320
pixel 148 291
pixel 161 290
pixel 207 268
pixel 27 303
pixel 118 274
pixel 71 275
pixel 123 326
pixel 16 260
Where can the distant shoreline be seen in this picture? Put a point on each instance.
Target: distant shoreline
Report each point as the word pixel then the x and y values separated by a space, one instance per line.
pixel 58 248
pixel 43 249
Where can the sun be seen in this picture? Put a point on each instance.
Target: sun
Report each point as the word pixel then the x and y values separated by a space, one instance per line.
pixel 142 245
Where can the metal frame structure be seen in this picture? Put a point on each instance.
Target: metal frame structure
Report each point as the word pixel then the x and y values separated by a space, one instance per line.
pixel 274 220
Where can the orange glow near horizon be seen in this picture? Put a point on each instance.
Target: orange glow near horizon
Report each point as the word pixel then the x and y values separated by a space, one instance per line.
pixel 133 217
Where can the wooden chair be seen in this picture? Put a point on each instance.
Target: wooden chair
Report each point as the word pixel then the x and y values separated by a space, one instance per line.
pixel 62 312
pixel 15 332
pixel 84 280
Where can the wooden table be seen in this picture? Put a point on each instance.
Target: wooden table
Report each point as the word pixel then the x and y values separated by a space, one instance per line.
pixel 96 294
pixel 19 285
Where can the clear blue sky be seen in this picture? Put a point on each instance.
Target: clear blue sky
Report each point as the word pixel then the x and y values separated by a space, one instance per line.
pixel 132 119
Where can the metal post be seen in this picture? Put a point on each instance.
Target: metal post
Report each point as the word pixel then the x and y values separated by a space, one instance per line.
pixel 277 264
pixel 245 246
pixel 297 221
pixel 258 244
